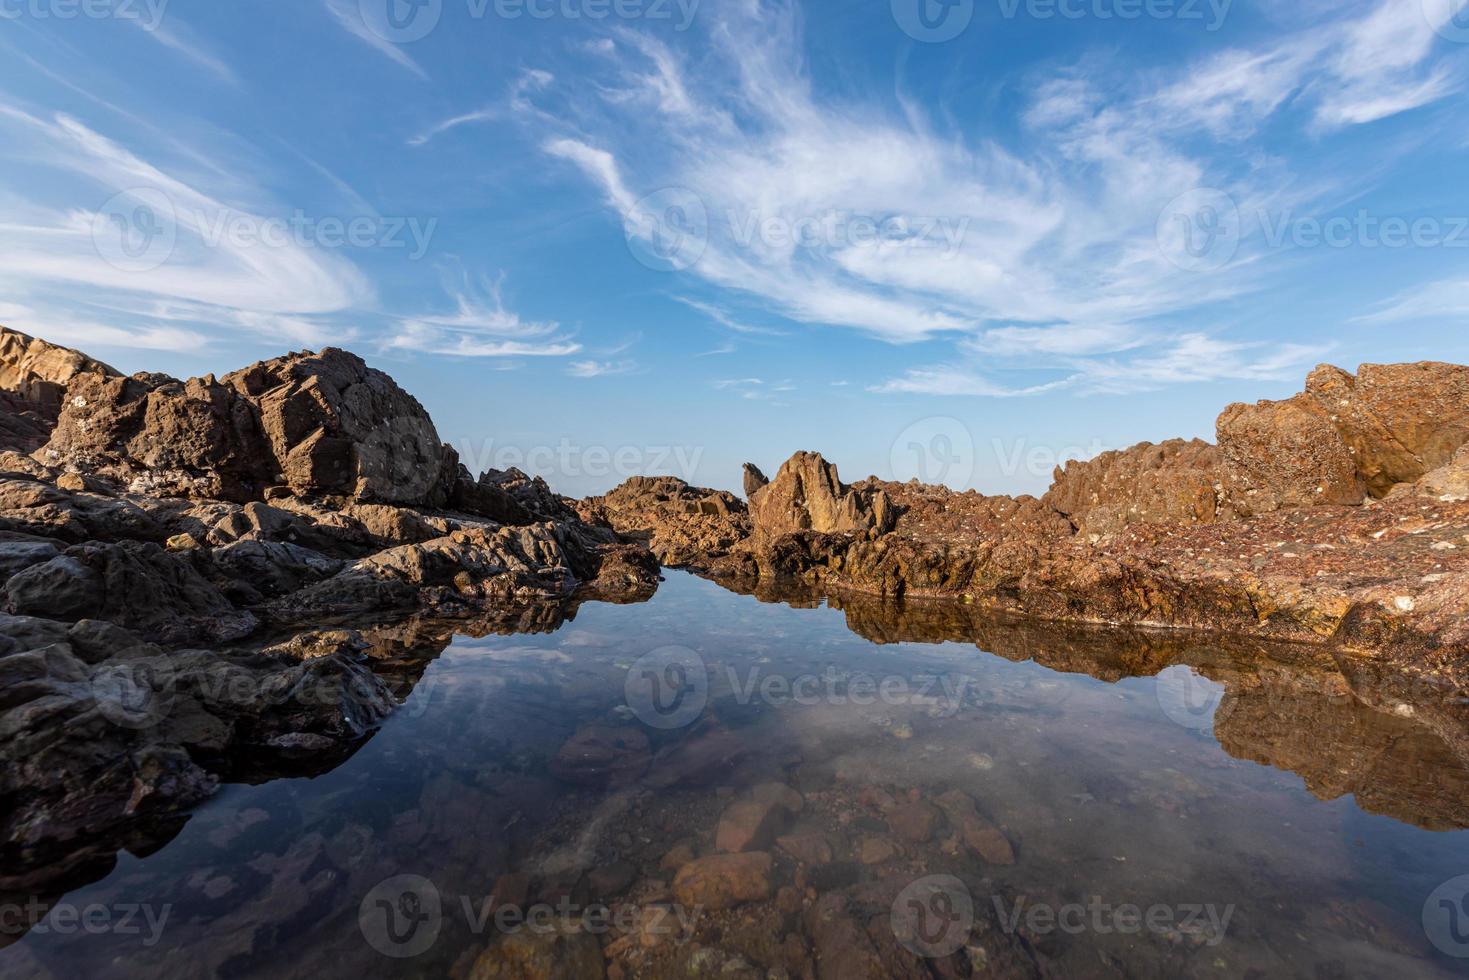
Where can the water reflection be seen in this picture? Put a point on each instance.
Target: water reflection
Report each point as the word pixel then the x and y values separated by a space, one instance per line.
pixel 1057 778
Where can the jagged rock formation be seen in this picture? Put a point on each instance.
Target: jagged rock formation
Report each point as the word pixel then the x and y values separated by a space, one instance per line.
pixel 1346 436
pixel 683 525
pixel 33 378
pixel 164 548
pixel 807 495
pixel 311 424
pixel 1338 516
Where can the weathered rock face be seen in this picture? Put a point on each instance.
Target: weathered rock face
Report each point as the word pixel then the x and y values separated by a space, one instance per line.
pixel 33 379
pixel 1346 436
pixel 1175 481
pixel 339 427
pixel 681 524
pixel 808 495
pixel 38 372
pixel 754 480
pixel 321 424
pixel 1287 454
pixel 195 438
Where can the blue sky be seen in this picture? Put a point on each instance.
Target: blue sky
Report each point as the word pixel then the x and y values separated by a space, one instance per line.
pixel 600 237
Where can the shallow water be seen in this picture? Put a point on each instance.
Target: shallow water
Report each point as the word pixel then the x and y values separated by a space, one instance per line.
pixel 1238 814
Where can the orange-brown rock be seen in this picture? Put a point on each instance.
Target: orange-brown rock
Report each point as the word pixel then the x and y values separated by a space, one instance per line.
pixel 33 380
pixel 808 495
pixel 1346 435
pixel 38 372
pixel 1175 481
pixel 723 881
pixel 1287 454
pixel 680 523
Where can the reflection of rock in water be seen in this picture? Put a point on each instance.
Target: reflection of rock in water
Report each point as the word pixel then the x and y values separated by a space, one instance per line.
pixel 1392 765
pixel 82 782
pixel 1399 746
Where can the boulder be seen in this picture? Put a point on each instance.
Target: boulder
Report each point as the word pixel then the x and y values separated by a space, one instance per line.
pixel 1450 482
pixel 750 825
pixel 914 821
pixel 975 832
pixel 562 950
pixel 322 424
pixel 1287 454
pixel 63 588
pixel 20 551
pixel 1346 436
pixel 1399 420
pixel 723 881
pixel 337 426
pixel 273 568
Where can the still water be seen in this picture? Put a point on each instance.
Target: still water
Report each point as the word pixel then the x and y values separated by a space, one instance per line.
pixel 920 792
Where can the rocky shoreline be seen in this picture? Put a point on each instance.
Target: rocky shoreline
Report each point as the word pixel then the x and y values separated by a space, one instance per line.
pixel 192 571
pixel 236 578
pixel 1339 517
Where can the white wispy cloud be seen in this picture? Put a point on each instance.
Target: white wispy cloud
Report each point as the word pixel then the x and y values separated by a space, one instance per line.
pixel 1044 250
pixel 1444 299
pixel 600 369
pixel 63 327
pixel 1188 359
pixel 181 39
pixel 71 255
pixel 348 13
pixel 480 326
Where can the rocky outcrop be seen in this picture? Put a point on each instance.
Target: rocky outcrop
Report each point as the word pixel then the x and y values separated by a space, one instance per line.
pixel 170 556
pixel 38 372
pixel 1347 435
pixel 33 378
pixel 808 495
pixel 1339 516
pixel 1175 481
pixel 754 480
pixel 338 427
pixel 1287 454
pixel 682 525
pixel 318 424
